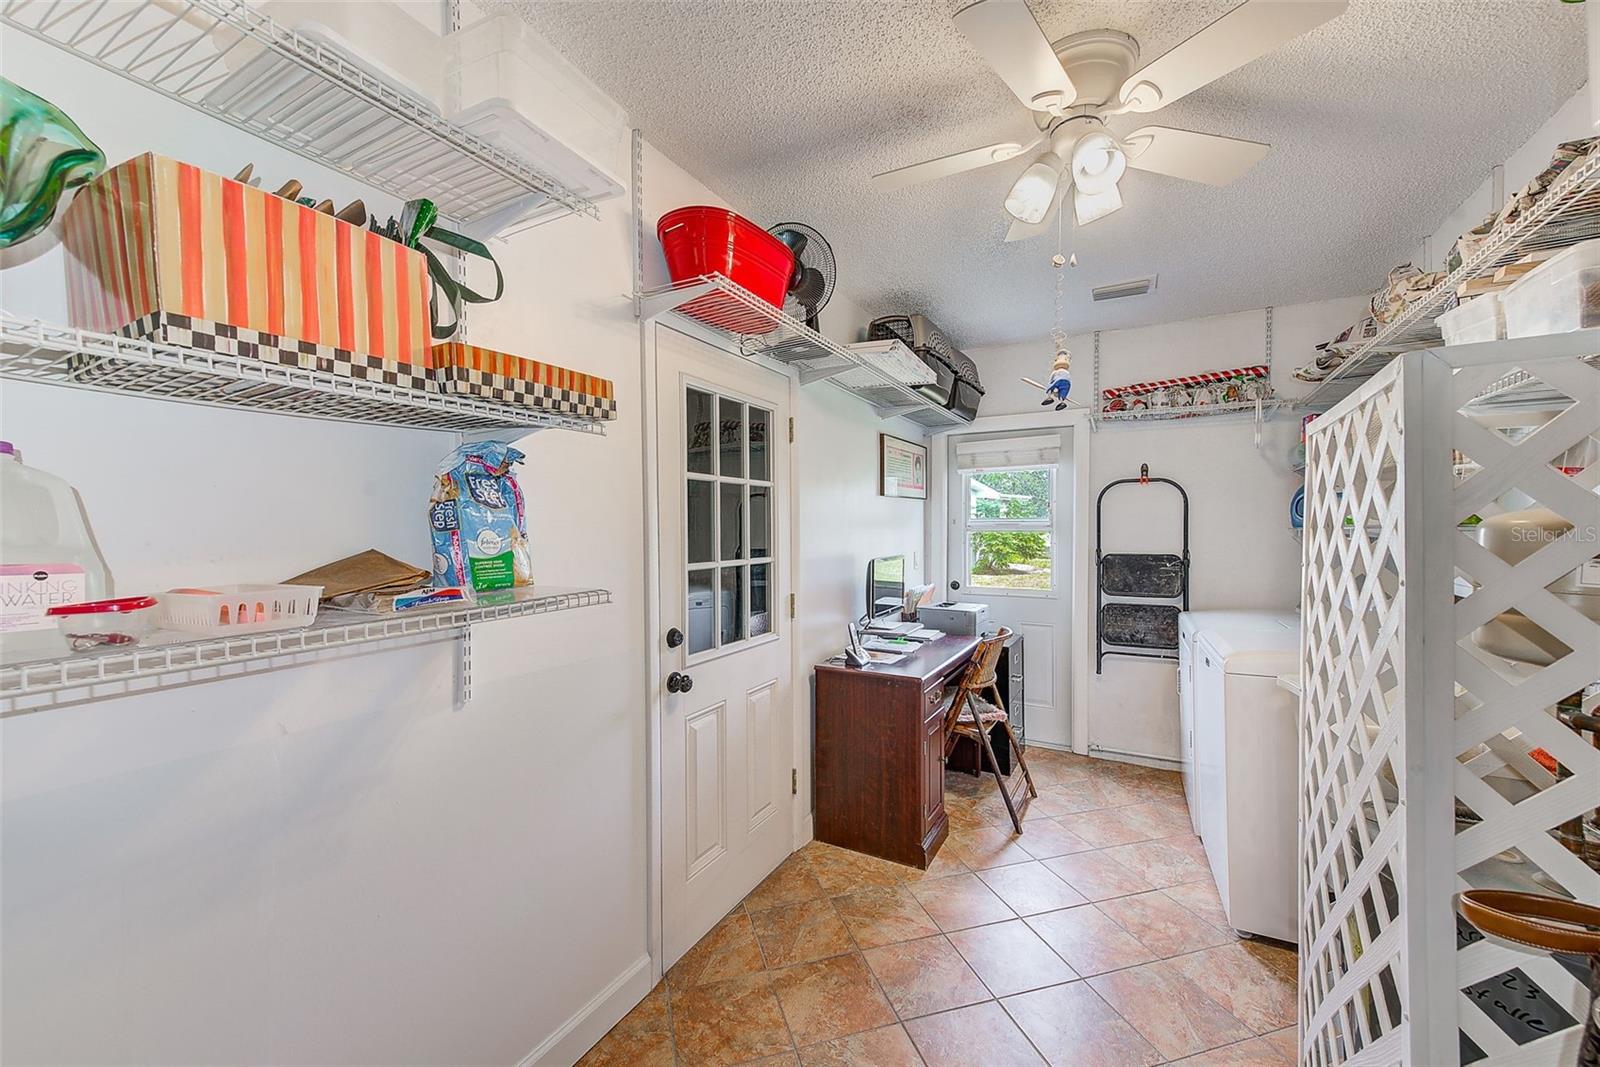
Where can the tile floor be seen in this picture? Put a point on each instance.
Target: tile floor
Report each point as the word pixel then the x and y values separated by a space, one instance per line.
pixel 1094 939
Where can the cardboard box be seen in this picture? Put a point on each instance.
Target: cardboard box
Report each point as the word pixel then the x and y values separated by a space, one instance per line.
pixel 468 369
pixel 164 250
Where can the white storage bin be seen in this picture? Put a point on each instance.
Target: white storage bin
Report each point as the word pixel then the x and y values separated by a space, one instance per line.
pixel 394 47
pixel 225 610
pixel 1482 318
pixel 507 85
pixel 1559 297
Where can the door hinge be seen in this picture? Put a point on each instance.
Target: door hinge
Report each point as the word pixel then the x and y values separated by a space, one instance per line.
pixel 791 429
pixel 794 781
pixel 791 605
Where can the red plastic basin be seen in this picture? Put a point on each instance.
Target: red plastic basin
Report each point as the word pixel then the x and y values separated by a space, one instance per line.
pixel 711 240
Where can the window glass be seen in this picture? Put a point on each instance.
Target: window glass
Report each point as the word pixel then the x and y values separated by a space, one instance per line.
pixel 760 599
pixel 732 438
pixel 698 425
pixel 1010 559
pixel 732 606
pixel 760 455
pixel 760 522
pixel 702 621
pixel 1009 495
pixel 732 519
pixel 702 522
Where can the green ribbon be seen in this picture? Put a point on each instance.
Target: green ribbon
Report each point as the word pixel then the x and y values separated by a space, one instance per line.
pixel 418 222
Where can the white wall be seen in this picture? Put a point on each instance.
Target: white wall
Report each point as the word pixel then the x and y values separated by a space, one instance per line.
pixel 1242 553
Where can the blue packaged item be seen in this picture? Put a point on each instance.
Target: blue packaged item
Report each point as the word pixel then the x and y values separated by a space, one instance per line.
pixel 480 532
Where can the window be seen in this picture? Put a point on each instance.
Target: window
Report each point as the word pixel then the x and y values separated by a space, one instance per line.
pixel 728 519
pixel 1010 528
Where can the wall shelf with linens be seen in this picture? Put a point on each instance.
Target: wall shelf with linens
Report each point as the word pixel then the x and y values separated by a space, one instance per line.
pixel 177 659
pixel 739 322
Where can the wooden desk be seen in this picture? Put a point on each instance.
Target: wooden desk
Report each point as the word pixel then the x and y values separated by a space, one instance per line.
pixel 880 753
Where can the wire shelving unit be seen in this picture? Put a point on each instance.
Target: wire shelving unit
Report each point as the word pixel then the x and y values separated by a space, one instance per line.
pixel 177 659
pixel 744 324
pixel 1568 213
pixel 230 61
pixel 1247 408
pixel 57 355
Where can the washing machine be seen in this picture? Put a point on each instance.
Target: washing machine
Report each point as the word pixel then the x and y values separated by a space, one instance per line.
pixel 1189 624
pixel 1246 767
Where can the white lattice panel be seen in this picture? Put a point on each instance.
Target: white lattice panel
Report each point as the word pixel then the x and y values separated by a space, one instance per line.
pixel 1419 744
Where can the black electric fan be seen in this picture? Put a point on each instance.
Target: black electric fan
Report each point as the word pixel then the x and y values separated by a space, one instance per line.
pixel 813 278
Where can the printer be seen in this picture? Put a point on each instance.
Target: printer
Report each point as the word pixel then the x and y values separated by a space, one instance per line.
pixel 967 620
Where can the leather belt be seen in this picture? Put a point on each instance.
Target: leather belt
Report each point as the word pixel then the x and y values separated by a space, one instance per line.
pixel 1550 924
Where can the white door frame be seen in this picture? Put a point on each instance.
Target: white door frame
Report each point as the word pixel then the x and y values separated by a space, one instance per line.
pixel 653 640
pixel 1074 427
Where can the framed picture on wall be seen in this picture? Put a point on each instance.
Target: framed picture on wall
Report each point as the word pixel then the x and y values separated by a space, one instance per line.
pixel 902 468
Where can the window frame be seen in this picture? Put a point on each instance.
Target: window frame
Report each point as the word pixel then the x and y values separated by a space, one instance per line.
pixel 1045 525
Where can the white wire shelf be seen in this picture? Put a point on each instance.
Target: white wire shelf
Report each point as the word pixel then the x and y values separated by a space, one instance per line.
pixel 1567 214
pixel 57 355
pixel 1207 411
pixel 185 659
pixel 749 326
pixel 226 59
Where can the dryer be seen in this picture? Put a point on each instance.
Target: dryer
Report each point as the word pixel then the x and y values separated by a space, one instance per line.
pixel 1247 770
pixel 1191 623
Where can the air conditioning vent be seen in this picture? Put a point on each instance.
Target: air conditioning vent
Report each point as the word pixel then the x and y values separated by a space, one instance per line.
pixel 1118 290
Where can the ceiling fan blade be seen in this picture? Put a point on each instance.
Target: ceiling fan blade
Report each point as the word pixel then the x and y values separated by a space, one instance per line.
pixel 1005 33
pixel 1195 157
pixel 1248 32
pixel 1022 231
pixel 944 166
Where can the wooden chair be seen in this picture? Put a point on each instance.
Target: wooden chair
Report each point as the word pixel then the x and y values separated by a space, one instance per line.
pixel 973 714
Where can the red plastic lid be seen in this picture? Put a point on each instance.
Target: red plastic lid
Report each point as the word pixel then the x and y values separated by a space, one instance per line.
pixel 95 607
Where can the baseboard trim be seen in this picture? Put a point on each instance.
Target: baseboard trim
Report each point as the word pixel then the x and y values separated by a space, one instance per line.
pixel 1143 759
pixel 589 1023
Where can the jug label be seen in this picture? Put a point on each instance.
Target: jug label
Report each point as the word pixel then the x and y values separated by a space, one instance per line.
pixel 28 590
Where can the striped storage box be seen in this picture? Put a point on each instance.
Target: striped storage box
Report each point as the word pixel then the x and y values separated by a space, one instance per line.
pixel 167 251
pixel 464 368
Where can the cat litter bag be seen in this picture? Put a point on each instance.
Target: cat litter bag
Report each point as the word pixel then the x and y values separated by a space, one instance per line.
pixel 480 532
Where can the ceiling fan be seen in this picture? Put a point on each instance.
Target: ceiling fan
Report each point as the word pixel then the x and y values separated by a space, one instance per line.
pixel 1075 84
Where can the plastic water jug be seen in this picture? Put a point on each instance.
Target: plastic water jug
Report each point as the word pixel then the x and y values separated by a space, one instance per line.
pixel 47 557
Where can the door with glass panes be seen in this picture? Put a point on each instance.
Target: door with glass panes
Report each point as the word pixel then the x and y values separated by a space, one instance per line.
pixel 727 720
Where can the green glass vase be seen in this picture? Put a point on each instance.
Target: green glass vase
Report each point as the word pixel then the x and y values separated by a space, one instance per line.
pixel 42 155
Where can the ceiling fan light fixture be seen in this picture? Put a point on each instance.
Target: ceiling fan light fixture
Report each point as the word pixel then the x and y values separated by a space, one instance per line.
pixel 1087 206
pixel 1098 163
pixel 1030 198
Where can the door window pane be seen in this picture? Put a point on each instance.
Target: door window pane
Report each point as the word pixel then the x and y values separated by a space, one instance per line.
pixel 1009 495
pixel 732 520
pixel 732 437
pixel 1010 559
pixel 698 424
pixel 760 599
pixel 702 621
pixel 760 522
pixel 732 613
pixel 760 453
pixel 701 546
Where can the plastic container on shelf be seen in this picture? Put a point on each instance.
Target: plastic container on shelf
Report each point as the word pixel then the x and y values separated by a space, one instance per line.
pixel 226 610
pixel 1561 296
pixel 713 240
pixel 105 624
pixel 48 558
pixel 1483 318
pixel 392 46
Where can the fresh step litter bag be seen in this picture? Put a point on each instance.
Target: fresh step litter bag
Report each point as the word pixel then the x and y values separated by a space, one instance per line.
pixel 480 533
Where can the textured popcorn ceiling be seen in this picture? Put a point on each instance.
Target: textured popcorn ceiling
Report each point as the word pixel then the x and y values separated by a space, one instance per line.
pixel 1381 121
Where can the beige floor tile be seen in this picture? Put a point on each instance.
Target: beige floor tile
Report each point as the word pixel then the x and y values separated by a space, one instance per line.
pixel 882 915
pixel 1075 795
pixel 651 1015
pixel 782 1059
pixel 1256 1052
pixel 1088 941
pixel 727 1022
pixel 1044 838
pixel 840 871
pixel 727 951
pixel 1105 827
pixel 1286 1041
pixel 1097 876
pixel 1010 958
pixel 1164 926
pixel 1200 897
pixel 1029 888
pixel 927 976
pixel 799 933
pixel 1254 982
pixel 632 1049
pixel 791 883
pixel 1162 863
pixel 1172 1013
pixel 943 865
pixel 1158 818
pixel 888 1046
pixel 960 901
pixel 969 1037
pixel 831 998
pixel 1074 1027
pixel 1045 805
pixel 987 846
